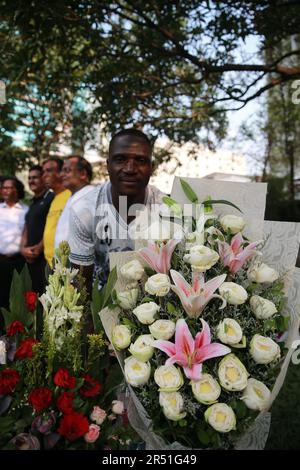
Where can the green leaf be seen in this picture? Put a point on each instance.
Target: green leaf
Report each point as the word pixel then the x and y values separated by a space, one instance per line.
pixel 149 271
pixel 171 308
pixel 112 279
pixel 189 192
pixel 101 299
pixel 203 436
pixel 146 299
pixel 210 202
pixel 6 424
pixel 173 205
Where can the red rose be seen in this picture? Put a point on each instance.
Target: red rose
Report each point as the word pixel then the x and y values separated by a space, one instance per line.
pixel 8 381
pixel 15 327
pixel 31 300
pixel 91 387
pixel 73 426
pixel 62 378
pixel 25 348
pixel 40 398
pixel 65 402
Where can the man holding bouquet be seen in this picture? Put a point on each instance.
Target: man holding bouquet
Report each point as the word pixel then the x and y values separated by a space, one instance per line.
pixel 100 222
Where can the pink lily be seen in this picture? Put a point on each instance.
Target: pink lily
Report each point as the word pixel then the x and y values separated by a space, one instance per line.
pixel 158 257
pixel 190 353
pixel 195 297
pixel 233 255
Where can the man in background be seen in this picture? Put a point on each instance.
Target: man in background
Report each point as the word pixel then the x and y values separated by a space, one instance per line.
pixel 32 247
pixel 12 220
pixel 53 180
pixel 77 173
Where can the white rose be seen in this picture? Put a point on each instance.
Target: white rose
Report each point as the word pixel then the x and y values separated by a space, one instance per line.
pixel 264 350
pixel 159 285
pixel 133 270
pixel 162 329
pixel 98 415
pixel 262 308
pixel 137 373
pixel 172 405
pixel 2 352
pixel 128 298
pixel 117 407
pixel 256 395
pixel 229 331
pixel 232 373
pixel 121 337
pixel 233 293
pixel 146 312
pixel 206 390
pixel 201 258
pixel 168 378
pixel 221 417
pixel 232 223
pixel 142 348
pixel 262 273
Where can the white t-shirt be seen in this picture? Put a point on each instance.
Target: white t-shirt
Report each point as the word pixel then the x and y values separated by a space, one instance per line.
pixel 12 221
pixel 63 225
pixel 97 228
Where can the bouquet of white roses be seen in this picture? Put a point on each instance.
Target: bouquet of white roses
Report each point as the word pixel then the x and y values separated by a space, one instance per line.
pixel 199 320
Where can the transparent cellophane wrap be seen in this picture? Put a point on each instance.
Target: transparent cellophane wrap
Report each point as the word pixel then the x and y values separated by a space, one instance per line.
pixel 280 251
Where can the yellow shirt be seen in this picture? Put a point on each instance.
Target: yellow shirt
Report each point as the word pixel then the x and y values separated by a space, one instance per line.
pixel 55 210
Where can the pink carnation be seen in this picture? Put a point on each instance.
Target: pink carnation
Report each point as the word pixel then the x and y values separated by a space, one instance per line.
pixel 93 434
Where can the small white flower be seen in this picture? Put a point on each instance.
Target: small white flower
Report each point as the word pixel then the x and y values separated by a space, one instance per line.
pixel 263 349
pixel 206 390
pixel 221 417
pixel 137 373
pixel 142 348
pixel 229 331
pixel 168 378
pixel 256 395
pixel 232 373
pixel 127 299
pixel 262 308
pixel 162 329
pixel 172 405
pixel 121 337
pixel 201 258
pixel 159 285
pixel 233 293
pixel 117 407
pixel 132 271
pixel 262 273
pixel 232 223
pixel 146 312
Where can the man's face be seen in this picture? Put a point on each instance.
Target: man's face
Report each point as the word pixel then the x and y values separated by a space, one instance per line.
pixel 51 174
pixel 72 178
pixel 129 165
pixel 9 191
pixel 36 182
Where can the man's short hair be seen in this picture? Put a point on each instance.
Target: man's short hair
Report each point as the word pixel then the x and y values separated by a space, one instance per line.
pixel 83 165
pixel 36 168
pixel 18 185
pixel 59 162
pixel 130 132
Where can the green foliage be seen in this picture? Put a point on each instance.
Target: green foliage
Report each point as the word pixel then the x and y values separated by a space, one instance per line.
pixel 101 299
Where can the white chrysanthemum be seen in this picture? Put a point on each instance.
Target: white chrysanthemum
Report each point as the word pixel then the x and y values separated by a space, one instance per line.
pixel 263 349
pixel 206 390
pixel 232 373
pixel 221 417
pixel 262 308
pixel 256 395
pixel 146 312
pixel 229 331
pixel 172 405
pixel 142 348
pixel 168 378
pixel 162 329
pixel 137 373
pixel 121 337
pixel 233 293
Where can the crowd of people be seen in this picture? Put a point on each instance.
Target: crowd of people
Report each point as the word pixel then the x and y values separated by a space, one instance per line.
pixel 66 206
